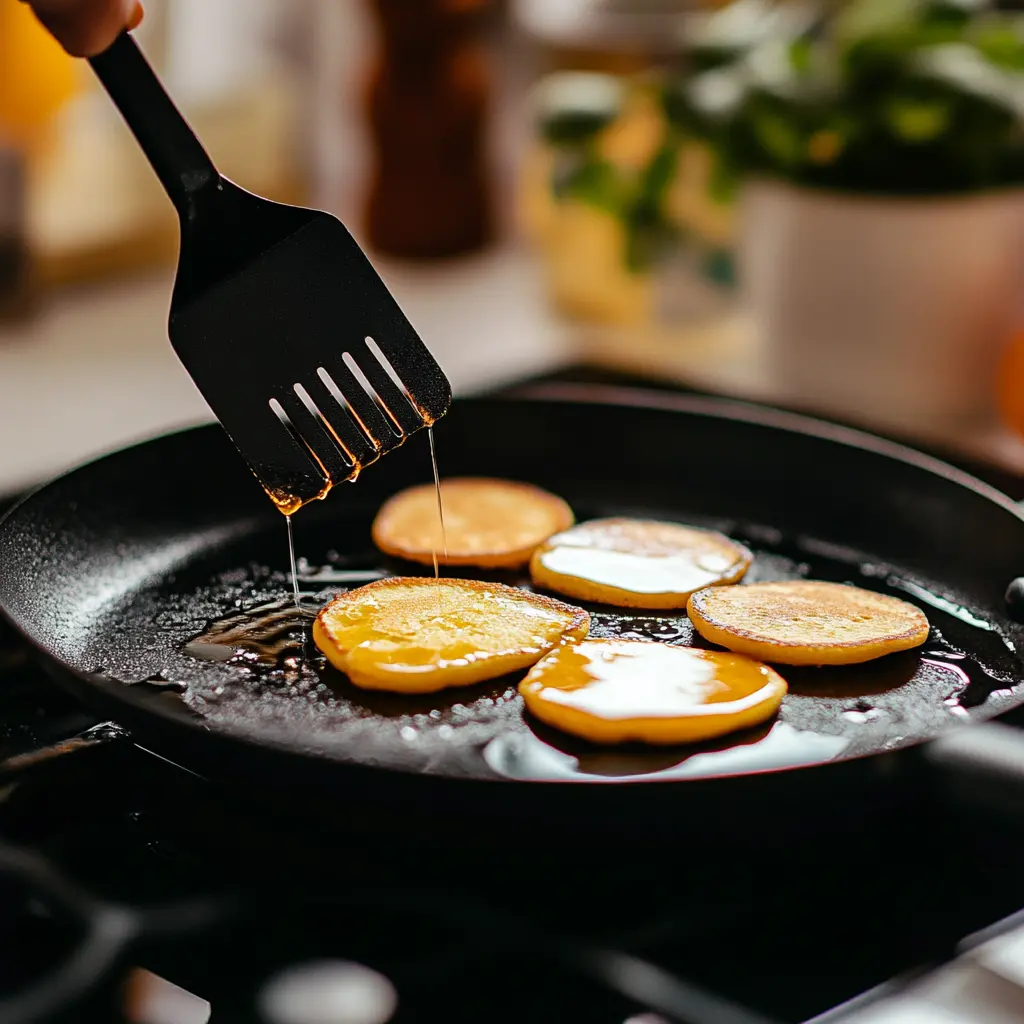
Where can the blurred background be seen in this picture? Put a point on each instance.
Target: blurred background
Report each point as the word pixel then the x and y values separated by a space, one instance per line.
pixel 817 205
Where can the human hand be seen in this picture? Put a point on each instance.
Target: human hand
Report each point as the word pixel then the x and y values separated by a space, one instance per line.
pixel 87 27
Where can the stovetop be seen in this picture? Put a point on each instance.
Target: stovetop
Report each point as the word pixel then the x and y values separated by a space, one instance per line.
pixel 265 917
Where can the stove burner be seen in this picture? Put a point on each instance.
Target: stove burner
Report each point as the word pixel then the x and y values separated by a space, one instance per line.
pixel 329 992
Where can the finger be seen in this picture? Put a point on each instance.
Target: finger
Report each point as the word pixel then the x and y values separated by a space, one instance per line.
pixel 87 27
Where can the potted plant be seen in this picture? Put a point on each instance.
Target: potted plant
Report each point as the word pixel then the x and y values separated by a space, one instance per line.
pixel 879 146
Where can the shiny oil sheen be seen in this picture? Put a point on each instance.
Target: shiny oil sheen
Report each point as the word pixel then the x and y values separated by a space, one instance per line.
pixel 641 557
pixel 616 690
pixel 641 574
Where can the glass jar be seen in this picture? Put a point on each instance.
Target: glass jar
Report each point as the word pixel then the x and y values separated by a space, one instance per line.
pixel 622 207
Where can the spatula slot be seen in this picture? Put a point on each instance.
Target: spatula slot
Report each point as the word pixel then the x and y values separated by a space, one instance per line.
pixel 286 421
pixel 356 370
pixel 325 425
pixel 337 394
pixel 392 389
pixel 388 368
pixel 317 438
pixel 367 447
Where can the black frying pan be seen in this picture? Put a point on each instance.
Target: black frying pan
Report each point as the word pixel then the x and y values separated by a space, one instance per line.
pixel 111 570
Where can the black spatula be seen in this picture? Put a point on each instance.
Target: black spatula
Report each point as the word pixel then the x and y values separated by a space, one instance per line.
pixel 283 324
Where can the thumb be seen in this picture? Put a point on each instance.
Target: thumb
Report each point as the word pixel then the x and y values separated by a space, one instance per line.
pixel 87 27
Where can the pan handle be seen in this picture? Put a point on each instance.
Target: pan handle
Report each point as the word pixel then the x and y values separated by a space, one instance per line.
pixel 86 983
pixel 106 933
pixel 103 734
pixel 982 765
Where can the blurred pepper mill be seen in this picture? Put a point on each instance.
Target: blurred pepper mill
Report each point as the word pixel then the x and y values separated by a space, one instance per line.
pixel 428 98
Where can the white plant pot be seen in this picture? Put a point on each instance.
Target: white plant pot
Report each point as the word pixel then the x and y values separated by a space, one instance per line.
pixel 890 312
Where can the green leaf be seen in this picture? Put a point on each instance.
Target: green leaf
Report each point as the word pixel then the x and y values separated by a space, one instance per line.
pixel 647 237
pixel 1002 43
pixel 861 19
pixel 962 69
pixel 801 52
pixel 598 183
pixel 917 121
pixel 658 174
pixel 961 10
pixel 724 182
pixel 780 138
pixel 647 229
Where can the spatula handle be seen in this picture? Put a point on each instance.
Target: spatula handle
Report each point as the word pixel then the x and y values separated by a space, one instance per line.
pixel 171 146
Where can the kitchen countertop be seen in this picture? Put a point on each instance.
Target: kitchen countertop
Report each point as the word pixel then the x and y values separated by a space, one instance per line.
pixel 94 371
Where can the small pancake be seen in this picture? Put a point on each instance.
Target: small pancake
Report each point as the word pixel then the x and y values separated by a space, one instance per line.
pixel 416 635
pixel 614 691
pixel 804 622
pixel 488 523
pixel 637 563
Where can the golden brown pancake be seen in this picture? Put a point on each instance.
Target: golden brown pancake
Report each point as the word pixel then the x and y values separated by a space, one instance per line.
pixel 613 691
pixel 416 635
pixel 489 523
pixel 803 622
pixel 637 563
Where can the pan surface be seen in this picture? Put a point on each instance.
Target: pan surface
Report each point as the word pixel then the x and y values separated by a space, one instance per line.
pixel 114 570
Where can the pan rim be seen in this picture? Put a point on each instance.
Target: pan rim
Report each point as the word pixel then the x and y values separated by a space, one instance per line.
pixel 613 396
pixel 741 411
pixel 735 409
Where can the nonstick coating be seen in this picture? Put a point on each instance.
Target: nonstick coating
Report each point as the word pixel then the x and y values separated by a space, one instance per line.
pixel 111 569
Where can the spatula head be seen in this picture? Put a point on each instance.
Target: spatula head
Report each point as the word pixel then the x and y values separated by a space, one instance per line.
pixel 297 345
